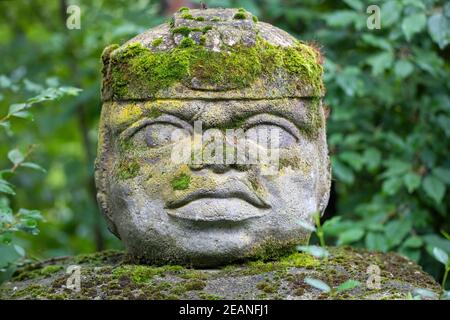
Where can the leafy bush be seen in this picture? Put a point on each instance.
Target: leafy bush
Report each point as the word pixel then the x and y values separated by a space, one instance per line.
pixel 24 220
pixel 389 127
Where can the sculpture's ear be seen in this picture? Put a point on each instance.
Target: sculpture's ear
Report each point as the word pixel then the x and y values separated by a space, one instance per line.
pixel 324 181
pixel 103 167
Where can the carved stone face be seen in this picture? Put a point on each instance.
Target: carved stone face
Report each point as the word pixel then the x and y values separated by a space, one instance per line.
pixel 209 214
pixel 159 87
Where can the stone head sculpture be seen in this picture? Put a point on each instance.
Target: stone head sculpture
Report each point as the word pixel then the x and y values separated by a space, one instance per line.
pixel 217 70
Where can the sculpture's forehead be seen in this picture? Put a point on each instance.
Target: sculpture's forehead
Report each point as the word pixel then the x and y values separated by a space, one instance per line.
pixel 301 112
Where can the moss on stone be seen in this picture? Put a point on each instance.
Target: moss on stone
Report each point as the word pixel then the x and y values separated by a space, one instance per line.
pixel 128 169
pixel 41 272
pixel 240 16
pixel 105 275
pixel 187 16
pixel 181 182
pixel 157 42
pixel 138 69
pixel 208 296
pixel 187 42
pixel 183 30
pixel 267 286
pixel 194 285
pixel 141 273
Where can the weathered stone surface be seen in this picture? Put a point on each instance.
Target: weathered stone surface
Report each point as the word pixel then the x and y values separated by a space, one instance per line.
pixel 106 275
pixel 225 70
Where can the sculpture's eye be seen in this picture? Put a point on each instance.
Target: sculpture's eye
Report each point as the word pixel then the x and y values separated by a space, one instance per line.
pixel 158 135
pixel 270 136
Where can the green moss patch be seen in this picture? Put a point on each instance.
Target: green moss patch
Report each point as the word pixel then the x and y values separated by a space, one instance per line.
pixel 181 182
pixel 128 169
pixel 240 16
pixel 157 42
pixel 136 69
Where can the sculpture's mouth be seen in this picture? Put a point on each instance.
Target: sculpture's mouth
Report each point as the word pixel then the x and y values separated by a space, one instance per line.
pixel 251 198
pixel 231 202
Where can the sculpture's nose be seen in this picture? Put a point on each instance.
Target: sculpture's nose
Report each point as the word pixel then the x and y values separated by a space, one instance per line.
pixel 216 168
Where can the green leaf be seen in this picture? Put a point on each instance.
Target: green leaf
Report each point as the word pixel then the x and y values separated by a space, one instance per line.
pixel 396 231
pixel 341 18
pixel 390 13
pixel 15 156
pixel 19 250
pixel 445 234
pixel 396 168
pixel 315 251
pixel 376 241
pixel 381 62
pixel 391 186
pixel 356 5
pixel 412 181
pixel 5 187
pixel 413 24
pixel 350 236
pixel 71 91
pixel 413 242
pixel 348 285
pixel 433 240
pixel 440 255
pixel 442 174
pixel 318 284
pixel 5 82
pixel 33 166
pixel 24 115
pixel 17 107
pixel 8 255
pixel 434 188
pixel 349 81
pixel 342 172
pixel 353 159
pixel 30 214
pixel 403 68
pixel 372 158
pixel 377 42
pixel 425 293
pixel 439 29
pixel 306 225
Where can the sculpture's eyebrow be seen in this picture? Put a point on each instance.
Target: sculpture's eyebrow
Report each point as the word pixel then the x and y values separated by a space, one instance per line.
pixel 165 118
pixel 265 118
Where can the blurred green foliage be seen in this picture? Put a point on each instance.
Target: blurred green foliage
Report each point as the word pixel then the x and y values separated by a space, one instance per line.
pixel 388 130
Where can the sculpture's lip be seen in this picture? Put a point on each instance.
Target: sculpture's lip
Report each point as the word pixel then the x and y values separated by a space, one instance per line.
pixel 214 209
pixel 251 198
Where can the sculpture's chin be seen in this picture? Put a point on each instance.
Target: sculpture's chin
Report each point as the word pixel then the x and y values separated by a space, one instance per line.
pixel 216 210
